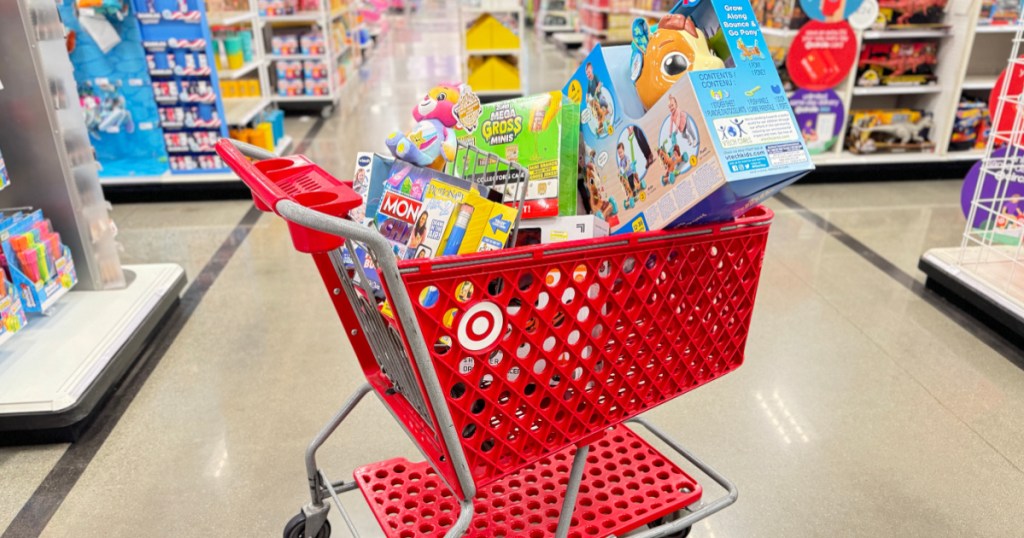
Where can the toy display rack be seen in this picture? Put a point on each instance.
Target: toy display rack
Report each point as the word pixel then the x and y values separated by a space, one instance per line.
pixel 970 57
pixel 984 271
pixel 494 72
pixel 329 14
pixel 58 367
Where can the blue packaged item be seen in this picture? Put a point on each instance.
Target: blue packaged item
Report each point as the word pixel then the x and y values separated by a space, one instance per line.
pixel 717 138
pixel 276 120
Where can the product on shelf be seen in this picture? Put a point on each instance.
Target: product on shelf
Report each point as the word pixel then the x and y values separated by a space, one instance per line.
pixel 179 55
pixel 899 63
pixel 715 144
pixel 970 125
pixel 890 131
pixel 541 133
pixel 39 265
pixel 896 14
pixel 999 12
pixel 12 312
pixel 785 14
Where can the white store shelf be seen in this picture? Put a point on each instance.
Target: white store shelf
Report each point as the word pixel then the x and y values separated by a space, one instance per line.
pixel 229 18
pixel 569 38
pixel 281 57
pixel 979 82
pixel 167 178
pixel 312 16
pixel 307 98
pixel 234 74
pixel 923 33
pixel 55 362
pixel 242 110
pixel 896 90
pixel 996 29
pixel 493 52
pixel 593 31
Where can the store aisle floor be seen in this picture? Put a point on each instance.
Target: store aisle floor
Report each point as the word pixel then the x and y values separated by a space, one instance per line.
pixel 865 407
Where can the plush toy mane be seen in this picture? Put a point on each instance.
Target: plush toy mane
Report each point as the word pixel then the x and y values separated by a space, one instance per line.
pixel 678 22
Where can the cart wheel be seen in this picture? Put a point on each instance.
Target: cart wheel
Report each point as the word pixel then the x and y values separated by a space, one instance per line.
pixel 670 518
pixel 326 111
pixel 296 528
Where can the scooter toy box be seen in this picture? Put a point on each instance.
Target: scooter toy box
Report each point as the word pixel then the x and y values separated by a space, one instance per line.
pixel 718 142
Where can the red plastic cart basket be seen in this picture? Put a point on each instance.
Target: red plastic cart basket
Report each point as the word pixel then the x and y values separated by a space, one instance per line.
pixel 496 363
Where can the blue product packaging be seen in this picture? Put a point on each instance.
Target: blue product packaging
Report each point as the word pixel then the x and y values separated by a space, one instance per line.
pixel 720 140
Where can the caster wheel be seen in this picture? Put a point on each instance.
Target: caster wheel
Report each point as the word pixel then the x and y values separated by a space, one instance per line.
pixel 296 528
pixel 326 111
pixel 670 518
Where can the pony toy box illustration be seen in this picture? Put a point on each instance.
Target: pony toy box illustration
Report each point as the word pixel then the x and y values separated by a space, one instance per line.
pixel 431 142
pixel 688 124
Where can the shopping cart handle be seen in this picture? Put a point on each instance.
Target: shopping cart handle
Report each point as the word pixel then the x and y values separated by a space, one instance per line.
pixel 272 179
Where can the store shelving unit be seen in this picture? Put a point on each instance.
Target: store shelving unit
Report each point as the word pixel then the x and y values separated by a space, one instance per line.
pixel 493 45
pixel 55 370
pixel 239 112
pixel 336 53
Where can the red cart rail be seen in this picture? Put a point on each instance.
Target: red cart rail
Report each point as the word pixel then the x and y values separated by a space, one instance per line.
pixel 498 364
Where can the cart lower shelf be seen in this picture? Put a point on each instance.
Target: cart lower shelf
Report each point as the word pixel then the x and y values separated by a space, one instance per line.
pixel 627 483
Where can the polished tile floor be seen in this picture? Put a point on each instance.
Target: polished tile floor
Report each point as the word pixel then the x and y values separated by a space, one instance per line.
pixel 865 407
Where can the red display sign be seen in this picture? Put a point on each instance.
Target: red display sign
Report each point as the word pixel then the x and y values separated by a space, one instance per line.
pixel 1003 119
pixel 822 55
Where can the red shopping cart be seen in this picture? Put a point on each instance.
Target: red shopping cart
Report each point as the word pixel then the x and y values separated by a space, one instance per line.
pixel 514 372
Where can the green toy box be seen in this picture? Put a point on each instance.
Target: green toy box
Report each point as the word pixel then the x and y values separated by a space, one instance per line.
pixel 540 132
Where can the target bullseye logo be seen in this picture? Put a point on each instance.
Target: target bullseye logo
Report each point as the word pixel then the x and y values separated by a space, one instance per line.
pixel 480 326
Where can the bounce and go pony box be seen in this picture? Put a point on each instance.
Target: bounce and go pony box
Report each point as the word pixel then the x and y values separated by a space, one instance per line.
pixel 688 124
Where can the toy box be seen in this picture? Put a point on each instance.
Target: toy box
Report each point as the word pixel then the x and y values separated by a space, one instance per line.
pixel 372 170
pixel 558 229
pixel 539 132
pixel 897 64
pixel 896 14
pixel 418 212
pixel 890 131
pixel 971 119
pixel 718 142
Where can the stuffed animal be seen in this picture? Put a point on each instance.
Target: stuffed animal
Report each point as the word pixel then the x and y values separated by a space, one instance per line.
pixel 431 142
pixel 662 53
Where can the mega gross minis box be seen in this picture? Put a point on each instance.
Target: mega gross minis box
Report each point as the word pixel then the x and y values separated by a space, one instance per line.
pixel 718 142
pixel 539 132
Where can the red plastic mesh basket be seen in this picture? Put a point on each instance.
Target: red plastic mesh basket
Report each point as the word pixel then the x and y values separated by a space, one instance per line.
pixel 627 484
pixel 541 347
